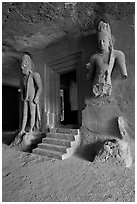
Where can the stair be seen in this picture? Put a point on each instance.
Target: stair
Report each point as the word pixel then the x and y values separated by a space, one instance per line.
pixel 59 143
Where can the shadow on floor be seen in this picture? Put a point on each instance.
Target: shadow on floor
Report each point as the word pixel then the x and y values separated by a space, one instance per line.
pixel 8 137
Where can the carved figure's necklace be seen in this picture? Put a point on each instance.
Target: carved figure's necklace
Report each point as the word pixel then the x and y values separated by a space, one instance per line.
pixel 102 54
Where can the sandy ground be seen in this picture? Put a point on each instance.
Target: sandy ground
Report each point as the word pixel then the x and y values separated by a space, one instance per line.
pixel 27 177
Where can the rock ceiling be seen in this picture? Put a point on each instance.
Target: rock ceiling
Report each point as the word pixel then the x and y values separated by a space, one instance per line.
pixel 29 26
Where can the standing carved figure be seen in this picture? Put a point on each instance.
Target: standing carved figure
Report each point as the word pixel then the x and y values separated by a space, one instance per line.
pixel 31 88
pixel 103 62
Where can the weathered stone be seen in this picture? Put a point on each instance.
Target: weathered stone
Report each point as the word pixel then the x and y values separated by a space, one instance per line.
pixel 24 142
pixel 124 143
pixel 124 128
pixel 23 21
pixel 103 62
pixel 110 149
pixel 125 152
pixel 35 26
pixel 101 116
pixel 30 88
pixel 116 149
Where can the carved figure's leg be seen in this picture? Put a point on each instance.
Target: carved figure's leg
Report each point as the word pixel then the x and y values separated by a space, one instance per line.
pixel 25 115
pixel 32 114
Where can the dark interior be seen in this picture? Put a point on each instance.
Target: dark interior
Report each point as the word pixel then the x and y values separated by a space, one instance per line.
pixel 10 108
pixel 70 114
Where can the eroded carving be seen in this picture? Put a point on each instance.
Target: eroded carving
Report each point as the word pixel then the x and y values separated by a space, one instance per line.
pixel 30 88
pixel 117 148
pixel 102 62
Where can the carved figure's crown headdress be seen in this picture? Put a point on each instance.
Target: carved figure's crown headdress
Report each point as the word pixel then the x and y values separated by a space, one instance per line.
pixel 26 57
pixel 105 28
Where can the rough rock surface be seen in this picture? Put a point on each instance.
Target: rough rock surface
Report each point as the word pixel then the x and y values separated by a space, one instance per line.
pixel 118 150
pixel 124 128
pixel 33 26
pixel 27 177
pixel 52 21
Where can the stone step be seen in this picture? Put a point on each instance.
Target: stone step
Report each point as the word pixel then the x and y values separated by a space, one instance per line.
pixel 53 141
pixel 52 147
pixel 61 136
pixel 48 153
pixel 64 130
pixel 59 143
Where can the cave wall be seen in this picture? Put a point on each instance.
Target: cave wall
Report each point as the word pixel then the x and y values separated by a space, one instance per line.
pixel 122 101
pixel 101 118
pixel 76 35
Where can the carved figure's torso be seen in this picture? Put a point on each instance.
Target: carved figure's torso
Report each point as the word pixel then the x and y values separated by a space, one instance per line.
pixel 103 62
pixel 102 81
pixel 28 88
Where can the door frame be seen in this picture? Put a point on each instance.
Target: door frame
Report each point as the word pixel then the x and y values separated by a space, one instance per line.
pixel 52 86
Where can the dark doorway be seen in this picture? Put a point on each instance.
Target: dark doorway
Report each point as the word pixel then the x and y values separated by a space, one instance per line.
pixel 69 98
pixel 10 108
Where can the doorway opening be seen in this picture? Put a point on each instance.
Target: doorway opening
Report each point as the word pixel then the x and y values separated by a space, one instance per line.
pixel 68 98
pixel 10 108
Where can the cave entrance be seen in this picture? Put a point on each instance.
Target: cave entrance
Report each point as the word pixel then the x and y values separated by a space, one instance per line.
pixel 68 98
pixel 10 108
pixel 64 91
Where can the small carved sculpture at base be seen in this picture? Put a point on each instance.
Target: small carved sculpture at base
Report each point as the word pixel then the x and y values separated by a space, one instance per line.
pixel 18 139
pixel 26 140
pixel 117 148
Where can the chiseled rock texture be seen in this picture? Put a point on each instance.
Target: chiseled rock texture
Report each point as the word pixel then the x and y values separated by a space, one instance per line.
pixel 40 25
pixel 36 25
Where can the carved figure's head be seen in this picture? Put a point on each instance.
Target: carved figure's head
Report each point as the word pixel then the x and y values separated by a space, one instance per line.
pixel 104 36
pixel 26 65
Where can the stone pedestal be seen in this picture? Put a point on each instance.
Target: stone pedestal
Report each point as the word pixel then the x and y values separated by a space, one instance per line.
pixel 101 116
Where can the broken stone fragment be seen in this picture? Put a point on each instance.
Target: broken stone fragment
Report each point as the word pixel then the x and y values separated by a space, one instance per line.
pixel 123 127
pixel 124 142
pixel 110 149
pixel 125 152
pixel 116 149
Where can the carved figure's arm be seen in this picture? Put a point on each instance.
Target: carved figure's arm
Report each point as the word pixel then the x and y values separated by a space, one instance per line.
pixel 90 68
pixel 39 85
pixel 120 59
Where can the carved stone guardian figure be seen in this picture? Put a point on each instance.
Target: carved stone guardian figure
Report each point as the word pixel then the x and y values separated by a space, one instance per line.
pixel 103 114
pixel 30 88
pixel 103 61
